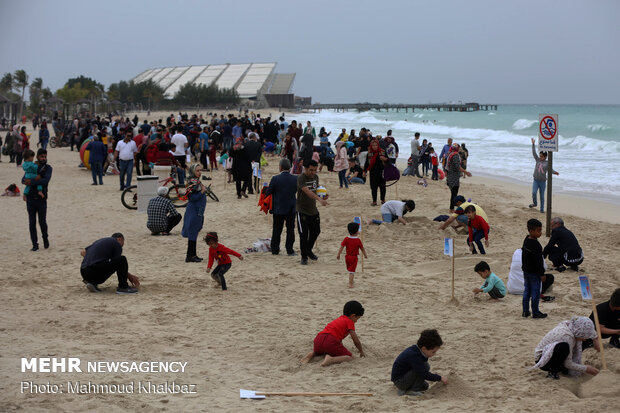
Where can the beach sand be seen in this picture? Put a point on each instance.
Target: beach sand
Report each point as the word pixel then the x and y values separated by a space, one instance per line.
pixel 254 335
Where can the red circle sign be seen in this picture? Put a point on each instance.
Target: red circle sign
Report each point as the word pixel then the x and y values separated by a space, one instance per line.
pixel 548 128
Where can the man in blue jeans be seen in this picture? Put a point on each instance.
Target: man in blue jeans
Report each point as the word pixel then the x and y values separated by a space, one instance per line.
pixel 126 151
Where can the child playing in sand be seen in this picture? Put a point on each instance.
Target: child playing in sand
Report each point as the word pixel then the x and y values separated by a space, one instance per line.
pixel 329 341
pixel 353 245
pixel 411 369
pixel 533 269
pixel 30 169
pixel 220 253
pixel 493 285
pixel 478 228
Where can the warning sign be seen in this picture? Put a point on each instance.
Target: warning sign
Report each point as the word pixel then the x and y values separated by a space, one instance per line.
pixel 548 132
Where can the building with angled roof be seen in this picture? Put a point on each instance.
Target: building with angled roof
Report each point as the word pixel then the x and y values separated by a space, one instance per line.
pixel 254 81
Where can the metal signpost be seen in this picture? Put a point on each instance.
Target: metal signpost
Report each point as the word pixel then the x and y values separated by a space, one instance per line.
pixel 548 141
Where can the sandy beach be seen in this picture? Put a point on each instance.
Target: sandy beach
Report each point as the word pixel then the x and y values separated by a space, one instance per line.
pixel 253 335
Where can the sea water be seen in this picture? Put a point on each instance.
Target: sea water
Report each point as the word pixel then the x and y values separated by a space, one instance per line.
pixel 499 141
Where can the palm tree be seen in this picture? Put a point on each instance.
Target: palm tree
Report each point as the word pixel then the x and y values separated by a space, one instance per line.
pixel 6 83
pixel 35 88
pixel 20 78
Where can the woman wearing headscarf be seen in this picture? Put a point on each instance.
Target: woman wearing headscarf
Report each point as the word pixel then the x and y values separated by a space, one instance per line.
pixel 374 164
pixel 453 173
pixel 560 350
pixel 341 164
pixel 241 169
pixel 194 212
pixel 18 141
pixel 289 148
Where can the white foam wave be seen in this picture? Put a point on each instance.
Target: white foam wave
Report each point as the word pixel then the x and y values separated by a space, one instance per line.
pixel 590 145
pixel 521 124
pixel 598 127
pixel 491 113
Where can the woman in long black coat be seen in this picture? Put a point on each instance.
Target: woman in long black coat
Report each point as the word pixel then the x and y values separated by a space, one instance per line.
pixel 241 169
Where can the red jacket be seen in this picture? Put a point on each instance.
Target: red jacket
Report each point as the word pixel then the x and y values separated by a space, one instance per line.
pixel 220 253
pixel 480 224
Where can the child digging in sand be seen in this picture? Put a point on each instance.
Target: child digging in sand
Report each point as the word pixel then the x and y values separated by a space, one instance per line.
pixel 493 285
pixel 30 169
pixel 353 245
pixel 220 253
pixel 329 341
pixel 411 369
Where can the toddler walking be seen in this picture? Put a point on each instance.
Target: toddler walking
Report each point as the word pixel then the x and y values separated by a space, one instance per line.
pixel 353 244
pixel 220 253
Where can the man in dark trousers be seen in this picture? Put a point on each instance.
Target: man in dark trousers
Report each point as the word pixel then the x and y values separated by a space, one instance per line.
pixel 37 205
pixel 307 213
pixel 282 189
pixel 101 259
pixel 563 247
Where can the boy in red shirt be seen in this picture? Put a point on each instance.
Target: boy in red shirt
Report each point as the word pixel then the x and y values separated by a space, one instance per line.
pixel 478 228
pixel 329 341
pixel 353 245
pixel 220 253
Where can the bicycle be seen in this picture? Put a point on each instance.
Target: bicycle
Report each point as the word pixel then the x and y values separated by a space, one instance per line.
pixel 176 193
pixel 59 142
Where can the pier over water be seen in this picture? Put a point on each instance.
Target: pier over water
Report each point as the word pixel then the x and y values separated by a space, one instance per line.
pixel 361 107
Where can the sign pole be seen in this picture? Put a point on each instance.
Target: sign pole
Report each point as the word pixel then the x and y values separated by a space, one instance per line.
pixel 362 235
pixel 598 333
pixel 549 195
pixel 453 274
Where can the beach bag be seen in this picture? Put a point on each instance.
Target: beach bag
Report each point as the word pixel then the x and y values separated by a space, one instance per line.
pixel 390 173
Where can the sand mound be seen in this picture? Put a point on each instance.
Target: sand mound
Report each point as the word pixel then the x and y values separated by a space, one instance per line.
pixel 604 384
pixel 456 388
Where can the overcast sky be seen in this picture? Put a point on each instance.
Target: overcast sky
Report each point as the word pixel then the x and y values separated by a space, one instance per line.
pixel 526 51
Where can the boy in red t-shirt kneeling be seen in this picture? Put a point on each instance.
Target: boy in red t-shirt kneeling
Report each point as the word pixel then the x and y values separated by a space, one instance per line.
pixel 329 341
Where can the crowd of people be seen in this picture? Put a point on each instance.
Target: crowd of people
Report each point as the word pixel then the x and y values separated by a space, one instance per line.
pixel 193 145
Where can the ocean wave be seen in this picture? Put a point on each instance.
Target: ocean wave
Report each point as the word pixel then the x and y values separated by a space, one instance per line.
pixel 521 124
pixel 491 113
pixel 590 145
pixel 598 127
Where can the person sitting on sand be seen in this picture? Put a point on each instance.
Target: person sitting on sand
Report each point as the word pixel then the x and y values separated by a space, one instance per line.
pixel 459 213
pixel 392 211
pixel 162 216
pixel 563 247
pixel 560 349
pixel 411 369
pixel 329 341
pixel 493 285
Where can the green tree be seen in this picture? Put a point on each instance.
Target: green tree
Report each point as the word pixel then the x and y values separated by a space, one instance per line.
pixel 6 83
pixel 20 80
pixel 72 94
pixel 36 90
pixel 192 94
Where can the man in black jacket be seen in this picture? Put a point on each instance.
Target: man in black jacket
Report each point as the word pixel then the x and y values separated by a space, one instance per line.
pixel 282 189
pixel 563 247
pixel 36 204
